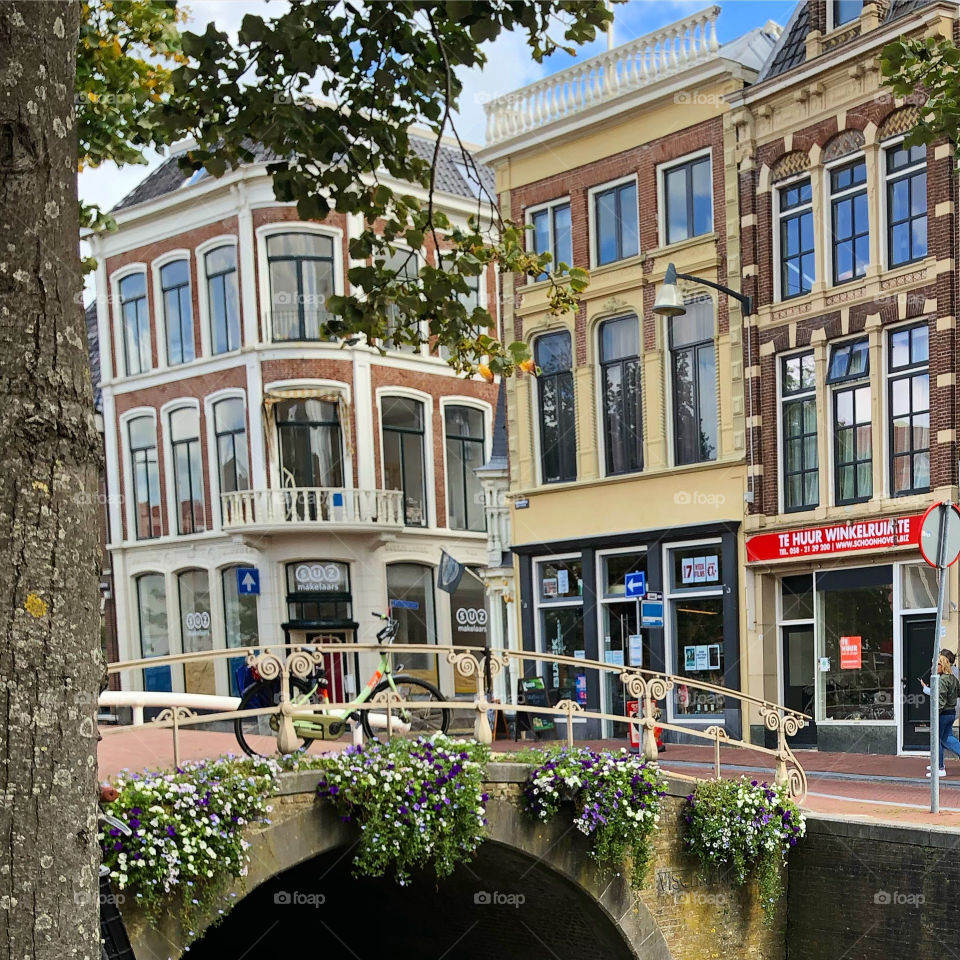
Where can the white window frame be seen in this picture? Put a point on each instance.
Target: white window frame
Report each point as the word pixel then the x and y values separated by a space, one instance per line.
pixel 781 457
pixel 456 400
pixel 156 266
pixel 424 348
pixel 130 507
pixel 885 408
pixel 535 404
pixel 213 454
pixel 528 214
pixel 831 390
pixel 829 257
pixel 831 26
pixel 598 394
pixel 263 275
pixel 776 217
pixel 886 147
pixel 119 339
pixel 592 219
pixel 662 170
pixel 169 474
pixel 429 454
pixel 670 648
pixel 203 291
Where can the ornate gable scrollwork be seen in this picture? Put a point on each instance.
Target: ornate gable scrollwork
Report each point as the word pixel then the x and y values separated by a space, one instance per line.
pixel 845 142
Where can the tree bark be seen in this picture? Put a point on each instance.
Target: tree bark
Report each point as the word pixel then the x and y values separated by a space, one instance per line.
pixel 50 660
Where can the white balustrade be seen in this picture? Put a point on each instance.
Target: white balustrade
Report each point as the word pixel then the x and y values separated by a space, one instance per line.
pixel 336 506
pixel 638 63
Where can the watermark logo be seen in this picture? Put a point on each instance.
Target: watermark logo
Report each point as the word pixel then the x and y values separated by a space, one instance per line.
pixel 485 898
pixel 698 498
pixel 296 898
pixel 84 898
pixel 700 898
pixel 697 98
pixel 884 898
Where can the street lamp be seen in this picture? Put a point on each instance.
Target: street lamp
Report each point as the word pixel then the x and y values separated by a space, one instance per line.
pixel 669 302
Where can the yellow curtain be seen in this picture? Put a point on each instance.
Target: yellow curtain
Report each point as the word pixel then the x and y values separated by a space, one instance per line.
pixel 271 397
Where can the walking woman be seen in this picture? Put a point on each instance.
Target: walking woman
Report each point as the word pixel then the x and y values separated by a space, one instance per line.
pixel 949 690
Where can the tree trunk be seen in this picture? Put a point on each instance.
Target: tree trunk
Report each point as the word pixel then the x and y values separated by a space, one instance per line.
pixel 50 661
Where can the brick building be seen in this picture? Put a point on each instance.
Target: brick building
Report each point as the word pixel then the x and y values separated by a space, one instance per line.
pixel 849 247
pixel 627 454
pixel 240 446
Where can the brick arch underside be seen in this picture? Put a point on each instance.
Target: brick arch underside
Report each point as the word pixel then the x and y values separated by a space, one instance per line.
pixel 567 902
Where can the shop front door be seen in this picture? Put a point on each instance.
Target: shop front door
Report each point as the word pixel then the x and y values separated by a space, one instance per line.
pixel 340 667
pixel 916 652
pixel 799 680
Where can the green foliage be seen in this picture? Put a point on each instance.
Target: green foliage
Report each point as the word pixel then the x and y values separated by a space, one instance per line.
pixel 419 803
pixel 187 831
pixel 747 827
pixel 925 69
pixel 616 799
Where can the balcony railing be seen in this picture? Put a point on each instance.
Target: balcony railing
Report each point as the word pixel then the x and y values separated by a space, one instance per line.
pixel 336 506
pixel 636 64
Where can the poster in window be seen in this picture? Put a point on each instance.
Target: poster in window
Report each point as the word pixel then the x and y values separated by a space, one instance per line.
pixel 850 653
pixel 636 649
pixel 702 657
pixel 549 586
pixel 714 654
pixel 713 569
pixel 686 569
pixel 689 658
pixel 700 570
pixel 563 582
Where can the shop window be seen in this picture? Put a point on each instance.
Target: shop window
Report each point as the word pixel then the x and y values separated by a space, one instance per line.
pixel 693 364
pixel 196 629
pixel 177 311
pixel 136 324
pixel 622 400
pixel 688 199
pixel 223 301
pixel 855 610
pixel 559 585
pixel 850 220
pixel 849 374
pixel 697 628
pixel 465 448
pixel 154 637
pixel 551 234
pixel 909 399
pixel 413 584
pixel 403 456
pixel 796 595
pixel 230 436
pixel 468 624
pixel 311 448
pixel 558 430
pixel 240 625
pixel 318 594
pixel 145 473
pixel 187 469
pixel 301 269
pixel 800 462
pixel 796 235
pixel 918 587
pixel 615 223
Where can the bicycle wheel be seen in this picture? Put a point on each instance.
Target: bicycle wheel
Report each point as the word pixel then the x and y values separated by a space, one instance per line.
pixel 266 693
pixel 423 720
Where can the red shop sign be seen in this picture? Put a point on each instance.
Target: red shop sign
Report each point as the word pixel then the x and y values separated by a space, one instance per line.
pixel 835 538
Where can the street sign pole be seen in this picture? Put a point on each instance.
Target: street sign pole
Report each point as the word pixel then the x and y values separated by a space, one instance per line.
pixel 945 507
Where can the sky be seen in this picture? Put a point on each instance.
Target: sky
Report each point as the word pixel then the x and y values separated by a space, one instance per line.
pixel 509 64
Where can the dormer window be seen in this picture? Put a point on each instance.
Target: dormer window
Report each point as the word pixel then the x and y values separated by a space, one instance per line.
pixel 844 11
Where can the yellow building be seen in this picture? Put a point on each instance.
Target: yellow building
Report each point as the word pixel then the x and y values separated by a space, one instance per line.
pixel 627 454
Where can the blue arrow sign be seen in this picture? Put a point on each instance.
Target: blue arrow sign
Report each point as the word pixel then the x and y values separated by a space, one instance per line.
pixel 636 584
pixel 248 581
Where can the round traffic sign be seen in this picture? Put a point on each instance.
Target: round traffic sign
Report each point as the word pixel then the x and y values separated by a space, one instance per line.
pixel 941 520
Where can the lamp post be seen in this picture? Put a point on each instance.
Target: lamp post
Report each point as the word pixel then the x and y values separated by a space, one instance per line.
pixel 669 302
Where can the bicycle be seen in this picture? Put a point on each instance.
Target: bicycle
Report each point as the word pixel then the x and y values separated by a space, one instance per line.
pixel 332 724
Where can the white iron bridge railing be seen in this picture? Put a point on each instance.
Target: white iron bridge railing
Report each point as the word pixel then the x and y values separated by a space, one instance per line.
pixel 291 722
pixel 632 65
pixel 338 506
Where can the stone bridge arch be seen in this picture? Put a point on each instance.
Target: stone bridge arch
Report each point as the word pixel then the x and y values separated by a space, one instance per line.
pixel 674 918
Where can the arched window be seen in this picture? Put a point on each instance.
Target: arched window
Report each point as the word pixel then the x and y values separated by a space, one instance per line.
pixel 311 443
pixel 177 311
pixel 413 583
pixel 301 278
pixel 223 298
pixel 240 625
pixel 620 383
pixel 145 474
pixel 230 433
pixel 693 362
pixel 196 630
pixel 187 469
pixel 558 429
pixel 403 456
pixel 152 620
pixel 465 445
pixel 136 324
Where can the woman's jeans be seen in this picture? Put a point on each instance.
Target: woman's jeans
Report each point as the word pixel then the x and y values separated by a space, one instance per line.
pixel 947 739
